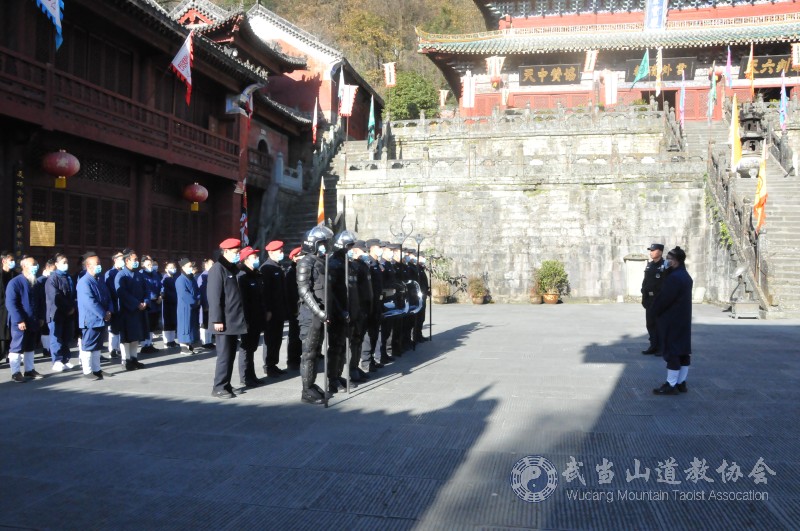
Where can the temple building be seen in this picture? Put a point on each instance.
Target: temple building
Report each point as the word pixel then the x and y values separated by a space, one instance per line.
pixel 545 53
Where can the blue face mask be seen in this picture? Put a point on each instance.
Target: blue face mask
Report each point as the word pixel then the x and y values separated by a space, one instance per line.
pixel 279 257
pixel 34 269
pixel 236 259
pixel 135 265
pixel 364 258
pixel 322 250
pixel 255 263
pixel 350 254
pixel 98 269
pixel 148 269
pixel 12 264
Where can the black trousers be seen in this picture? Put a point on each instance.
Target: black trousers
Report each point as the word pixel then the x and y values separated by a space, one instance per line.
pixel 226 353
pixel 294 349
pixel 370 342
pixel 419 322
pixel 273 337
pixel 650 322
pixel 311 335
pixel 337 346
pixel 249 344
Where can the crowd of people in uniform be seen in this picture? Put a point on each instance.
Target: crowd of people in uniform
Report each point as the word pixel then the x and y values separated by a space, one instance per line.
pixel 365 298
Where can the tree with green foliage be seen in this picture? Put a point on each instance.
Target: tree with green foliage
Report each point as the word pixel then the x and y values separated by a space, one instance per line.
pixel 412 94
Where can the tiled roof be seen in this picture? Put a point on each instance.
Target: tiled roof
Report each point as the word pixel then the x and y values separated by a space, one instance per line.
pixel 209 9
pixel 293 114
pixel 683 34
pixel 288 27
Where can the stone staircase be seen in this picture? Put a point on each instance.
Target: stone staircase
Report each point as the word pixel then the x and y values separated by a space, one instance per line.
pixel 303 214
pixel 698 135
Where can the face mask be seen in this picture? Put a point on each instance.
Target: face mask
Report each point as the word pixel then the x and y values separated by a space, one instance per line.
pixel 236 259
pixel 422 260
pixel 135 265
pixel 350 254
pixel 34 269
pixel 255 263
pixel 155 268
pixel 406 259
pixel 172 270
pixel 119 264
pixel 279 257
pixel 98 269
pixel 148 269
pixel 12 264
pixel 364 258
pixel 322 250
pixel 45 273
pixel 62 267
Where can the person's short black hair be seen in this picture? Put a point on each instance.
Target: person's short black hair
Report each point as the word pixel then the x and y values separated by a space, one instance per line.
pixel 58 256
pixel 50 263
pixel 5 254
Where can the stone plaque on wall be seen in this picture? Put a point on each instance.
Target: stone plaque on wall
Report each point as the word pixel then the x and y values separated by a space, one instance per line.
pixel 549 75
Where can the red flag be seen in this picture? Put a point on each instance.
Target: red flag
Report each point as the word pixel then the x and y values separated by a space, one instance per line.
pixel 314 124
pixel 182 65
pixel 321 205
pixel 390 74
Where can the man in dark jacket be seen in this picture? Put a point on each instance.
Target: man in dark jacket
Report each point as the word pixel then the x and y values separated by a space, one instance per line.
pixel 373 261
pixel 132 300
pixel 206 335
pixel 673 312
pixel 113 326
pixel 294 349
pixel 225 314
pixel 25 317
pixel 425 288
pixel 94 314
pixel 6 274
pixel 61 313
pixel 654 273
pixel 251 286
pixel 360 313
pixel 276 304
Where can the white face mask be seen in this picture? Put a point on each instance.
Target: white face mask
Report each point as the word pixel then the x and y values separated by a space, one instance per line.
pixel 62 267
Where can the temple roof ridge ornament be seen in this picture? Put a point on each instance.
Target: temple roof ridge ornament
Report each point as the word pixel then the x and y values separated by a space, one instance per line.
pixel 211 10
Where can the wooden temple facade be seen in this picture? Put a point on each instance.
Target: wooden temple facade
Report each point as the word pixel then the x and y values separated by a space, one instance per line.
pixel 579 52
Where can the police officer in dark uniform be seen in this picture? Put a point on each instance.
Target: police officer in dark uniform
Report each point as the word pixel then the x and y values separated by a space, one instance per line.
pixel 277 307
pixel 311 281
pixel 409 321
pixel 359 273
pixel 251 286
pixel 339 314
pixel 399 324
pixel 654 274
pixel 425 289
pixel 389 291
pixel 294 348
pixel 373 325
pixel 225 314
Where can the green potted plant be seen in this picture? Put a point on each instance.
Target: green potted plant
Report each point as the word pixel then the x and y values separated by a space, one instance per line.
pixel 535 293
pixel 439 266
pixel 553 281
pixel 477 289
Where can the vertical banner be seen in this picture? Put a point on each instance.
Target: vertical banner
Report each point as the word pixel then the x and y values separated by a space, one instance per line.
pixel 590 61
pixel 443 97
pixel 494 67
pixel 796 55
pixel 243 230
pixel 612 87
pixel 390 74
pixel 659 68
pixel 182 65
pixel 712 92
pixel 655 17
pixel 782 108
pixel 728 70
pixel 468 91
pixel 54 10
pixel 348 100
pixel 314 123
pixel 682 102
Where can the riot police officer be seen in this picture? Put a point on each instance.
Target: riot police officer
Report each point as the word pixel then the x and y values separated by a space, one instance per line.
pixel 311 280
pixel 360 274
pixel 372 260
pixel 389 291
pixel 339 314
pixel 654 274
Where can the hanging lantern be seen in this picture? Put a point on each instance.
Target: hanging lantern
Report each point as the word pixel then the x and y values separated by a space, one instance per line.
pixel 61 165
pixel 196 194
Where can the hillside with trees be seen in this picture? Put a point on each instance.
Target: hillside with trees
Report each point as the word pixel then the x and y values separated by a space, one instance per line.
pixel 372 32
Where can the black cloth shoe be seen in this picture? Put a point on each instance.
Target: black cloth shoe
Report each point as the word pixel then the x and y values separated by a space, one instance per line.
pixel 115 354
pixel 139 364
pixel 666 389
pixel 388 359
pixel 252 382
pixel 93 376
pixel 149 349
pixel 375 365
pixel 650 350
pixel 130 365
pixel 363 374
pixel 17 377
pixel 682 387
pixel 101 374
pixel 171 344
pixel 33 375
pixel 343 382
pixel 223 394
pixel 320 391
pixel 292 366
pixel 187 350
pixel 274 372
pixel 209 346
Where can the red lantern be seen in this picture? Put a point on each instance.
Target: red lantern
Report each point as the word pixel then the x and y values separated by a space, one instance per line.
pixel 196 194
pixel 61 165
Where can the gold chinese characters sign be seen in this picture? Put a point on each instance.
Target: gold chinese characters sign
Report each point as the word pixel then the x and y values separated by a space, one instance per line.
pixel 671 69
pixel 549 75
pixel 43 234
pixel 767 66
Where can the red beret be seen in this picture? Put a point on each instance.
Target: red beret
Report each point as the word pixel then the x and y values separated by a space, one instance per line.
pixel 230 243
pixel 247 251
pixel 274 245
pixel 295 252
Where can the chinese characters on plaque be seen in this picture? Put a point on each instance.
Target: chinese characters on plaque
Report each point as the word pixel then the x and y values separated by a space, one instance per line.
pixel 549 75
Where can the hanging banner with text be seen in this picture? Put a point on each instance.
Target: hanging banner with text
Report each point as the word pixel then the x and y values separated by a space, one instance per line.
pixel 767 65
pixel 549 75
pixel 655 17
pixel 671 69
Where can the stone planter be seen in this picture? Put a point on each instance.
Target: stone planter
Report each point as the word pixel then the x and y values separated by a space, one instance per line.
pixel 478 300
pixel 550 298
pixel 535 298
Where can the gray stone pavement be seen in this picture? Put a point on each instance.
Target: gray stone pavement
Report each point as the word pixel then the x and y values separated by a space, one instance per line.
pixel 431 443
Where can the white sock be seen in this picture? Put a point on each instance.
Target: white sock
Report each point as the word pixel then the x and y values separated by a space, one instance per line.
pixel 113 342
pixel 13 360
pixel 683 373
pixel 95 361
pixel 169 336
pixel 86 362
pixel 28 361
pixel 128 351
pixel 206 336
pixel 672 377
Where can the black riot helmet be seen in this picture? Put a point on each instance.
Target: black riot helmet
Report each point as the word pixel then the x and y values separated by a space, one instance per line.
pixel 317 240
pixel 345 240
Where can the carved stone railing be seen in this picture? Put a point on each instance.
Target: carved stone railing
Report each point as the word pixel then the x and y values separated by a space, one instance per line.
pixel 286 177
pixel 748 247
pixel 321 158
pixel 676 140
pixel 561 120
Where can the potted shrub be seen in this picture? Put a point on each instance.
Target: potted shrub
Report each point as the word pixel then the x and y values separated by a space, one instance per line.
pixel 439 266
pixel 553 281
pixel 476 287
pixel 535 293
pixel 440 291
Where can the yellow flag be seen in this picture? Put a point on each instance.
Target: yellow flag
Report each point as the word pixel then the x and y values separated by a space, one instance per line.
pixel 735 140
pixel 760 203
pixel 750 73
pixel 321 206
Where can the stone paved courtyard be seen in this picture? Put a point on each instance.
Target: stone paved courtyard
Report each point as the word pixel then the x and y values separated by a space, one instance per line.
pixel 431 442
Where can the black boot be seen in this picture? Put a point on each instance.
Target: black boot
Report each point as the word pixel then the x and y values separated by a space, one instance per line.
pixel 666 389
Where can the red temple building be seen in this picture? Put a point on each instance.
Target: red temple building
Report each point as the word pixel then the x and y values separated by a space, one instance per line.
pixel 544 53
